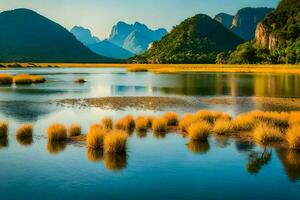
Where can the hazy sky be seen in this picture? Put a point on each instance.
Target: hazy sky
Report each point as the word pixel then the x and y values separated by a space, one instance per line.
pixel 101 15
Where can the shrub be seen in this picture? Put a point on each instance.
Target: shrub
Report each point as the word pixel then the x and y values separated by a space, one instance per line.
pixel 107 123
pixel 159 125
pixel 25 130
pixel 57 132
pixel 293 137
pixel 265 134
pixel 199 131
pixel 6 79
pixel 115 142
pixel 3 129
pixel 171 118
pixel 74 130
pixel 223 127
pixel 186 121
pixel 22 79
pixel 95 137
pixel 141 124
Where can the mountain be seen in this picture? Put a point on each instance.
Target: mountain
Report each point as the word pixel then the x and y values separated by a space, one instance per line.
pixel 84 35
pixel 224 19
pixel 245 21
pixel 26 36
pixel 277 38
pixel 111 50
pixel 134 37
pixel 196 40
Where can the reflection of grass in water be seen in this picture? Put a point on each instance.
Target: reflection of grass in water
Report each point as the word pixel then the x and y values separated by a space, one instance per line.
pixel 3 142
pixel 244 146
pixel 25 141
pixel 141 134
pixel 94 155
pixel 159 135
pixel 257 160
pixel 55 147
pixel 293 158
pixel 115 162
pixel 222 141
pixel 3 129
pixel 198 147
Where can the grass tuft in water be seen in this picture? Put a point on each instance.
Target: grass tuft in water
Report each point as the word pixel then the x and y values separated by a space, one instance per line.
pixel 141 124
pixel 25 131
pixel 3 129
pixel 199 131
pixel 223 127
pixel 57 132
pixel 74 130
pixel 159 125
pixel 6 79
pixel 127 123
pixel 293 137
pixel 115 142
pixel 95 137
pixel 107 123
pixel 171 118
pixel 265 134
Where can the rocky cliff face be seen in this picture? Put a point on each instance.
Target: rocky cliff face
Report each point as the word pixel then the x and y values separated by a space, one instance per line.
pixel 224 19
pixel 264 38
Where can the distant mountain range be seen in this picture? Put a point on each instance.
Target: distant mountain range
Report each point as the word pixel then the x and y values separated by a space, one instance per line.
pixel 196 40
pixel 26 36
pixel 244 22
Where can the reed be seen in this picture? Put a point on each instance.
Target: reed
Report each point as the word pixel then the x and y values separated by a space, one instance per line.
pixel 171 118
pixel 223 127
pixel 3 129
pixel 199 131
pixel 6 79
pixel 265 134
pixel 159 125
pixel 25 130
pixel 57 132
pixel 141 124
pixel 115 142
pixel 293 137
pixel 95 137
pixel 107 123
pixel 74 130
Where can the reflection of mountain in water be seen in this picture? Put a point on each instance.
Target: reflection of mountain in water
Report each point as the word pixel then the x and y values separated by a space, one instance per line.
pixel 25 110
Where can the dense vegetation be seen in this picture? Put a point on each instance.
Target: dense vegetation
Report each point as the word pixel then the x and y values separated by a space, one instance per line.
pixel 26 36
pixel 283 25
pixel 196 40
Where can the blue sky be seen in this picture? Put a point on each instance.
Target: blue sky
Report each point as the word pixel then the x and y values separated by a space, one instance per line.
pixel 101 15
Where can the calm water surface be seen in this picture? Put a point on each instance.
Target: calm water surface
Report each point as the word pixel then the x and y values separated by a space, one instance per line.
pixel 155 166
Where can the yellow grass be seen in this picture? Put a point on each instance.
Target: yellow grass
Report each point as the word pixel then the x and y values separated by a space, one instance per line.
pixel 293 137
pixel 141 124
pixel 28 79
pixel 205 115
pixel 171 118
pixel 6 79
pixel 57 132
pixel 25 130
pixel 223 127
pixel 244 122
pixel 293 158
pixel 95 137
pixel 37 79
pixel 159 125
pixel 198 147
pixel 115 142
pixel 115 162
pixel 3 129
pixel 74 130
pixel 279 119
pixel 126 124
pixel 55 147
pixel 265 134
pixel 150 120
pixel 294 118
pixel 186 121
pixel 94 155
pixel 107 123
pixel 199 131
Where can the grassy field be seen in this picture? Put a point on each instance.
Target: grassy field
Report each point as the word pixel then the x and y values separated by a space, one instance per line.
pixel 171 68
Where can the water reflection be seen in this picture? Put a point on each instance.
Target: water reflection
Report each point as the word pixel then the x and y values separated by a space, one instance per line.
pixel 222 141
pixel 141 134
pixel 244 146
pixel 3 142
pixel 94 155
pixel 198 147
pixel 290 160
pixel 159 135
pixel 115 162
pixel 24 141
pixel 256 160
pixel 55 147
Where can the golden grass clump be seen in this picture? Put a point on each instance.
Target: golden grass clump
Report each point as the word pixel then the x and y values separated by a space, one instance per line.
pixel 126 124
pixel 137 69
pixel 294 118
pixel 293 137
pixel 171 118
pixel 265 134
pixel 95 137
pixel 25 130
pixel 205 115
pixel 37 79
pixel 74 130
pixel 3 129
pixel 280 119
pixel 57 132
pixel 141 124
pixel 6 79
pixel 223 127
pixel 159 125
pixel 186 121
pixel 199 131
pixel 150 120
pixel 244 122
pixel 22 79
pixel 107 123
pixel 115 142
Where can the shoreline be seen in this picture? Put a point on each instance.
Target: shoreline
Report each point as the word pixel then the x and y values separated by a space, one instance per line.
pixel 168 68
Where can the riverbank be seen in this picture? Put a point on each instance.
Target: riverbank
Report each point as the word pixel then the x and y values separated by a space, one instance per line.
pixel 168 68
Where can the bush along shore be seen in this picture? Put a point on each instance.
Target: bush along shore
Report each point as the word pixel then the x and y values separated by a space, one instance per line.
pixel 20 79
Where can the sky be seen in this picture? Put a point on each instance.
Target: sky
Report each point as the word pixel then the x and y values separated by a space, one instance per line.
pixel 100 15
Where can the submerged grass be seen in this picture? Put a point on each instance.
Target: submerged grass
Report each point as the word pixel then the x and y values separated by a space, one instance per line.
pixel 57 132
